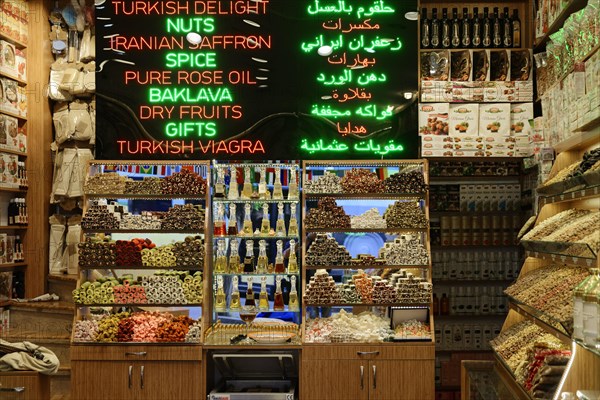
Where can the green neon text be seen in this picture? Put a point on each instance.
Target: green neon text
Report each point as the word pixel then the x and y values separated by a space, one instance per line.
pixel 186 129
pixel 197 94
pixel 191 60
pixel 187 25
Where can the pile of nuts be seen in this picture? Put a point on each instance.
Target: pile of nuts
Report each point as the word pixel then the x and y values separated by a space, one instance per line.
pixel 349 293
pixel 321 289
pixel 405 214
pixel 184 217
pixel 325 184
pixel 361 181
pixel 97 252
pixel 105 183
pixel 327 215
pixel 405 182
pixel 98 216
pixel 144 221
pixel 405 250
pixel 370 219
pixel 325 251
pixel 184 182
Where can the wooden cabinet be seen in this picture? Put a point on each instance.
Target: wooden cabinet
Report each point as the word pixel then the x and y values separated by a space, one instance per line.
pixel 24 386
pixel 136 372
pixel 385 372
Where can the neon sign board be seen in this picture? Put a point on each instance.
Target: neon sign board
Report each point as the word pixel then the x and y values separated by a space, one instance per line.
pixel 255 78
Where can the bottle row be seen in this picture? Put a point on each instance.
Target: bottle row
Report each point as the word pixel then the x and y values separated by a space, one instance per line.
pixel 221 228
pixel 251 190
pixel 472 30
pixel 476 300
pixel 475 265
pixel 17 212
pixel 235 301
pixel 250 264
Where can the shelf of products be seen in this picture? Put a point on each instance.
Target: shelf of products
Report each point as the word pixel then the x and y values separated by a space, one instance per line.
pixel 255 206
pixel 343 211
pixel 168 264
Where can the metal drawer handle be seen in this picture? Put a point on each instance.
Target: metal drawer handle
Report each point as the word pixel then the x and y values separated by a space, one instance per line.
pixel 136 353
pixel 374 376
pixel 142 376
pixel 367 353
pixel 130 372
pixel 18 389
pixel 362 376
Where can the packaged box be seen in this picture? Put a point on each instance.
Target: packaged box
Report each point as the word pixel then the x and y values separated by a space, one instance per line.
pixel 22 139
pixel 460 66
pixel 436 153
pixel 520 117
pixel 435 65
pixel 464 119
pixel 21 65
pixel 433 119
pixel 9 95
pixel 494 119
pixel 10 248
pixel 8 58
pixel 481 65
pixel 22 105
pixel 10 170
pixel 8 130
pixel 499 65
pixel 5 291
pixel 521 63
pixel 436 95
pixel 3 245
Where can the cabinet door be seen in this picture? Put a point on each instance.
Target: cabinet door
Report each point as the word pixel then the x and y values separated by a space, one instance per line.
pixel 102 380
pixel 334 380
pixel 164 380
pixel 406 380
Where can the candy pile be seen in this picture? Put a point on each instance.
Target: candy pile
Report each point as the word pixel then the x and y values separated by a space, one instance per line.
pixel 105 183
pixel 349 293
pixel 411 289
pixel 361 181
pixel 365 327
pixel 146 186
pixel 412 329
pixel 370 219
pixel 363 260
pixel 407 182
pixel 129 252
pixel 327 215
pixel 144 221
pixel 405 250
pixel 328 183
pixel 184 182
pixel 326 251
pixel 544 372
pixel 190 252
pixel 405 214
pixel 97 251
pixel 321 289
pixel 139 327
pixel 184 217
pixel 98 216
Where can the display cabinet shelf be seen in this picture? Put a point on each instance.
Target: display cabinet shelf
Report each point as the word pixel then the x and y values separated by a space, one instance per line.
pixel 565 259
pixel 398 304
pixel 366 230
pixel 199 231
pixel 15 115
pixel 270 310
pixel 256 201
pixel 245 274
pixel 141 267
pixel 573 195
pixel 15 152
pixel 366 196
pixel 578 141
pixel 13 228
pixel 357 266
pixel 146 196
pixel 247 237
pixel 11 266
pixel 12 189
pixel 508 377
pixel 11 40
pixel 571 7
pixel 140 305
pixel 560 249
pixel 21 82
pixel 527 313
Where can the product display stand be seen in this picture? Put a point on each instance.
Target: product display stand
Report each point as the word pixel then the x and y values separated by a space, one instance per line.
pixel 158 360
pixel 357 364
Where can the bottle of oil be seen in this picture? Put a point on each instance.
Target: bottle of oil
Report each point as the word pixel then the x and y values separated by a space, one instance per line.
pixel 293 305
pixel 220 182
pixel 234 189
pixel 277 189
pixel 263 297
pixel 219 224
pixel 293 228
pixel 280 226
pixel 263 192
pixel 232 226
pixel 279 266
pixel 263 260
pixel 221 259
pixel 220 301
pixel 265 225
pixel 247 188
pixel 247 229
pixel 293 260
pixel 234 303
pixel 278 302
pixel 249 260
pixel 250 294
pixel 293 185
pixel 234 257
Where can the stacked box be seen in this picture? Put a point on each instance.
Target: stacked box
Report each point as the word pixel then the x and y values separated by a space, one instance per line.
pixel 8 58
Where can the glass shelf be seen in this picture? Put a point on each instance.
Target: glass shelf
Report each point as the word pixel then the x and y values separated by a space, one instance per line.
pixel 365 230
pixel 556 326
pixel 80 305
pixel 484 383
pixel 297 237
pixel 560 249
pixel 399 305
pixel 257 165
pixel 255 274
pixel 561 187
pixel 141 267
pixel 360 266
pixel 285 310
pixel 595 350
pixel 256 201
pixel 146 196
pixel 366 196
pixel 578 194
pixel 182 231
